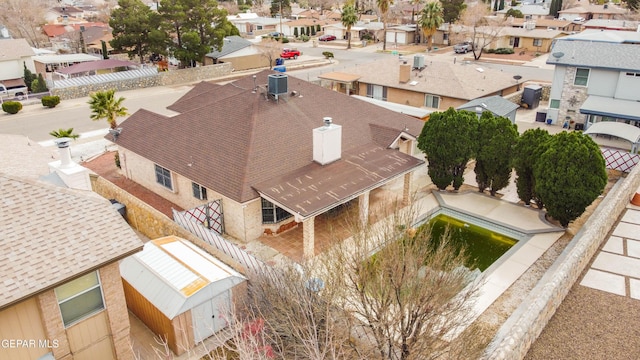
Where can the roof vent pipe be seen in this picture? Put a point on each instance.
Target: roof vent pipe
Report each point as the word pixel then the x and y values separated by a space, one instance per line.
pixel 327 121
pixel 65 152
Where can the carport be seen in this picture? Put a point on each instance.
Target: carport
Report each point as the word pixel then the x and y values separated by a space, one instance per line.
pixel 624 131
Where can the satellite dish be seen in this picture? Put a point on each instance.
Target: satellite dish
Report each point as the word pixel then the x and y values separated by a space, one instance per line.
pixel 517 77
pixel 558 55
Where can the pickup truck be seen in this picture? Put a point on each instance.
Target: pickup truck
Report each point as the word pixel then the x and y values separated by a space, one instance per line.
pixel 290 54
pixel 10 89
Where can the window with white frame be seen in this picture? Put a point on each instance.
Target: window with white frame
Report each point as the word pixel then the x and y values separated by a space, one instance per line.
pixel 554 104
pixel 199 191
pixel 582 77
pixel 378 92
pixel 272 214
pixel 80 298
pixel 163 177
pixel 432 101
pixel 537 42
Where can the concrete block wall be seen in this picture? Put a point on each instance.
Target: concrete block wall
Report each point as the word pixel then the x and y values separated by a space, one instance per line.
pixel 522 328
pixel 152 223
pixel 174 77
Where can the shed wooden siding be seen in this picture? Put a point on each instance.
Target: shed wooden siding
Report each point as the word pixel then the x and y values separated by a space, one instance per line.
pixel 177 333
pixel 22 321
pixel 91 339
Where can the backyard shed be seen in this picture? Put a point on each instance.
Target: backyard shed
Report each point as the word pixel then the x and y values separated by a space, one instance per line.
pixel 496 104
pixel 179 291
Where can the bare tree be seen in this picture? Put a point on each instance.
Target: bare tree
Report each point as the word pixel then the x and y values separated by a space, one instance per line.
pixel 480 28
pixel 389 292
pixel 270 49
pixel 24 19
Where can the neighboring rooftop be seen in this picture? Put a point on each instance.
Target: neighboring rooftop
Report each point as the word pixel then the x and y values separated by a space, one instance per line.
pixel 603 55
pixel 15 49
pixel 230 44
pixel 613 36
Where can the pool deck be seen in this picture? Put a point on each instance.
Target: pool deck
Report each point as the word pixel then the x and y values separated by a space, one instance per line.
pixel 538 234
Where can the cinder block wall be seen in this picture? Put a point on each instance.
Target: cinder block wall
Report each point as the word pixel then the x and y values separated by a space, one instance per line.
pixel 522 328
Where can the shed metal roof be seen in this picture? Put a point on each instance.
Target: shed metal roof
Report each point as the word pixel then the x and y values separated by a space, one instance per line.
pixel 175 275
pixel 496 104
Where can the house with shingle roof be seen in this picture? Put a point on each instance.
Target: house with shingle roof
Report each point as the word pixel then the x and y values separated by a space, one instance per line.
pixel 526 39
pixel 242 53
pixel 593 11
pixel 426 82
pixel 595 81
pixel 14 55
pixel 61 291
pixel 278 151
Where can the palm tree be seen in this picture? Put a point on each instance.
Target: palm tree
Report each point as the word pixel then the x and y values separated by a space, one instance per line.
pixel 384 5
pixel 414 14
pixel 64 133
pixel 349 18
pixel 430 20
pixel 104 105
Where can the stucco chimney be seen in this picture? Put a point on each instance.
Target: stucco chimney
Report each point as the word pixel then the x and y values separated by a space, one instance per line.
pixel 73 175
pixel 405 72
pixel 327 142
pixel 65 152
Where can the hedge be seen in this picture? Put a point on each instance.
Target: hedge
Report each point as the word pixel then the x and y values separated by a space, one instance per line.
pixel 50 101
pixel 12 107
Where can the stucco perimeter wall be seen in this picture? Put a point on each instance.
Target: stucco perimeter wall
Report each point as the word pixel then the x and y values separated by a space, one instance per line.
pixel 522 328
pixel 152 223
pixel 166 78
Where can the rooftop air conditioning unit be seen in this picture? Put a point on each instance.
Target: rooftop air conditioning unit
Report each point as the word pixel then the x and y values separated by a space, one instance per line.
pixel 418 62
pixel 277 84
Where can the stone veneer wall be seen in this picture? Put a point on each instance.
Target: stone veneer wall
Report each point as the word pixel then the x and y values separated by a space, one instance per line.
pixel 522 328
pixel 166 78
pixel 152 223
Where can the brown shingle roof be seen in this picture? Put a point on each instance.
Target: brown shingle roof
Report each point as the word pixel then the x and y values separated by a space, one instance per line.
pixel 235 137
pixel 50 234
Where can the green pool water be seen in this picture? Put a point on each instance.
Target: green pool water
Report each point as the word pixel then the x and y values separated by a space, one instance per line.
pixel 483 247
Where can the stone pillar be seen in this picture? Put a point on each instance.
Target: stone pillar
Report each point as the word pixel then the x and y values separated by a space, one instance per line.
pixel 52 323
pixel 406 190
pixel 116 307
pixel 363 206
pixel 308 235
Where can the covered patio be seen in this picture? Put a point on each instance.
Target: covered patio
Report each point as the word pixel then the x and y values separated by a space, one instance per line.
pixel 620 130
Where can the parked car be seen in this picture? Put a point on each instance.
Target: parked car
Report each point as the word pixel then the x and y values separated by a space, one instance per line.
pixel 578 19
pixel 289 53
pixel 13 89
pixel 276 34
pixel 463 47
pixel 326 37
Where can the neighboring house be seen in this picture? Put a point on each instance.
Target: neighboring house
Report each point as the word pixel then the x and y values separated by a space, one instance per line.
pixel 14 55
pixel 79 37
pixel 182 293
pixel 432 84
pixel 522 39
pixel 251 24
pixel 48 64
pixel 497 105
pixel 530 11
pixel 373 28
pixel 566 26
pixel 402 35
pixel 61 296
pixel 627 37
pixel 595 81
pixel 266 146
pixel 242 53
pixel 610 24
pixel 289 27
pixel 64 14
pixel 592 11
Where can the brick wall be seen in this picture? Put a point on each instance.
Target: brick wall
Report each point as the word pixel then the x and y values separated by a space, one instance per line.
pixel 173 77
pixel 117 312
pixel 523 327
pixel 52 322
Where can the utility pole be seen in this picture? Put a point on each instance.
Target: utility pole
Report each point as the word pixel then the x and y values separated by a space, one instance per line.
pixel 280 30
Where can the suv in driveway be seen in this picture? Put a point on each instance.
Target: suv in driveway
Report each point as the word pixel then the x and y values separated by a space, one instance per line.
pixel 463 47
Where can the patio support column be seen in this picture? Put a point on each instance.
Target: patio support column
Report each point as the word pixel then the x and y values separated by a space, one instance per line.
pixel 406 190
pixel 363 206
pixel 308 234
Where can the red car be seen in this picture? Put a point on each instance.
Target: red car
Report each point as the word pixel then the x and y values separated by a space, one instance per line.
pixel 327 37
pixel 290 54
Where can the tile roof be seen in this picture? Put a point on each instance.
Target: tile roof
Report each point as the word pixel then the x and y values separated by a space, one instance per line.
pixel 444 78
pixel 49 235
pixel 234 136
pixel 15 49
pixel 596 54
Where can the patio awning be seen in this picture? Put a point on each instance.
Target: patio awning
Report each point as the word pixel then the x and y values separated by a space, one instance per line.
pixel 624 131
pixel 314 189
pixel 615 108
pixel 95 65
